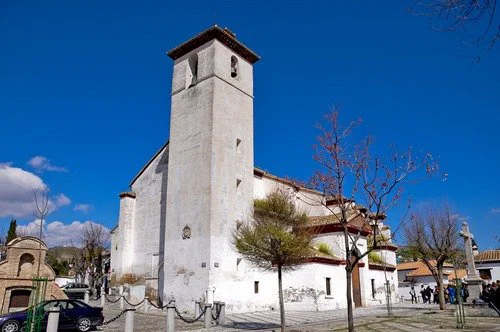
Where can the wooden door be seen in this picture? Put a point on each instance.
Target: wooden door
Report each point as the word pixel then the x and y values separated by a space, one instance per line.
pixel 356 288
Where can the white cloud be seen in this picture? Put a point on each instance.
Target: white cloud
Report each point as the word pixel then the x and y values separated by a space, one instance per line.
pixel 62 200
pixel 56 233
pixel 41 163
pixel 85 208
pixel 15 195
pixel 495 210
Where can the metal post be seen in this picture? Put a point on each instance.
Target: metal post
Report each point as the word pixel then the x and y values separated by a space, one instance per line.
pixel 86 296
pixel 53 320
pixel 129 320
pixel 171 316
pixel 222 315
pixel 122 301
pixel 208 315
pixel 388 298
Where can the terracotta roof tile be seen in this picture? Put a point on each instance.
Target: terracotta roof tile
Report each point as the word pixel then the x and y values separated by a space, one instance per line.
pixel 460 275
pixel 419 268
pixel 487 256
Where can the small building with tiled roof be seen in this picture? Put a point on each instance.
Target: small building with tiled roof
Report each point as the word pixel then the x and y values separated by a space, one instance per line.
pixel 418 274
pixel 488 264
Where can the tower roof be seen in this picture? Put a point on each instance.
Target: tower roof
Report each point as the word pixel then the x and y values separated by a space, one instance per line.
pixel 225 36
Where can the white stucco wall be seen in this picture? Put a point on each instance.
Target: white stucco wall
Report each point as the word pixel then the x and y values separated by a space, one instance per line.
pixel 150 189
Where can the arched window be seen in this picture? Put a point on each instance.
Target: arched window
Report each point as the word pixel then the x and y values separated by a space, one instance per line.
pixel 192 72
pixel 26 262
pixel 234 66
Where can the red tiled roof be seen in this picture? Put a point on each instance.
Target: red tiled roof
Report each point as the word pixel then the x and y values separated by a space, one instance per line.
pixel 487 256
pixel 460 275
pixel 419 268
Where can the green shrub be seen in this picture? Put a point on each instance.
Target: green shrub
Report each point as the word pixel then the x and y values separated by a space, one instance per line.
pixel 324 248
pixel 374 257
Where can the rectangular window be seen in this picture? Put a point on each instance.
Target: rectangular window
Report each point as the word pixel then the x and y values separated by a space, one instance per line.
pixel 328 286
pixel 485 274
pixel 256 287
pixel 373 288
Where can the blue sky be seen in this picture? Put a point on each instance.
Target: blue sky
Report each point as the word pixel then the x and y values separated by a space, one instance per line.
pixel 86 85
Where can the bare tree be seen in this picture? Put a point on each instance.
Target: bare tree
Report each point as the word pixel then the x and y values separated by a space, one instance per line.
pixel 433 234
pixel 348 171
pixel 42 207
pixel 276 238
pixel 479 17
pixel 94 239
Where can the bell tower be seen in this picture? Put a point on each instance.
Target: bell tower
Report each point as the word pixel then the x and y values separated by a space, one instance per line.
pixel 210 170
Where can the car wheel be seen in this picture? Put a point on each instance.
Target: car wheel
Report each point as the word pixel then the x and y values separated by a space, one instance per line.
pixel 10 326
pixel 83 324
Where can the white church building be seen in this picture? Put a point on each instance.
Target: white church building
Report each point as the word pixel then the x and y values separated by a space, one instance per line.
pixel 176 222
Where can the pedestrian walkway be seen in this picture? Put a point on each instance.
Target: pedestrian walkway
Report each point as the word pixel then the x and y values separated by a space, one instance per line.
pixel 407 318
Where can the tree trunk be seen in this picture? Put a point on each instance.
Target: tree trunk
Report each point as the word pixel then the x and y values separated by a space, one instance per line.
pixel 442 303
pixel 348 277
pixel 282 305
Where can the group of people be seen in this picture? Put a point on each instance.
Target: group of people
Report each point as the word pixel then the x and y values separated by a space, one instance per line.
pixel 491 294
pixel 430 295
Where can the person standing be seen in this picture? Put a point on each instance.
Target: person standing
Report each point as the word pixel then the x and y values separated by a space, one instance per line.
pixel 428 294
pixel 451 294
pixel 413 295
pixel 422 292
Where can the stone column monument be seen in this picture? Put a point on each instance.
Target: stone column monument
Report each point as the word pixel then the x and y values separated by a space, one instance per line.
pixel 473 280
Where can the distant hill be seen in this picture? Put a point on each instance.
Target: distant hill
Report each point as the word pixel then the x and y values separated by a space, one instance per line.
pixel 63 253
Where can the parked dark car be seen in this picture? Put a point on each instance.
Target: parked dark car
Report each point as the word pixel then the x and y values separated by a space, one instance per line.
pixel 74 314
pixel 75 290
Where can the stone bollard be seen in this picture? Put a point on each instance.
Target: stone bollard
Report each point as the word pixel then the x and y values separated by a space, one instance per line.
pixel 222 315
pixel 86 296
pixel 122 301
pixel 208 315
pixel 110 291
pixel 129 320
pixel 103 297
pixel 145 305
pixel 53 320
pixel 171 317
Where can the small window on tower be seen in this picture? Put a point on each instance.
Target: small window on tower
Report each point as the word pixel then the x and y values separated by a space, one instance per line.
pixel 234 66
pixel 256 287
pixel 238 186
pixel 192 72
pixel 328 286
pixel 238 145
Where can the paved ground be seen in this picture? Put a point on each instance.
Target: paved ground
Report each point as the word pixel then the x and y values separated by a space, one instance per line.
pixel 407 318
